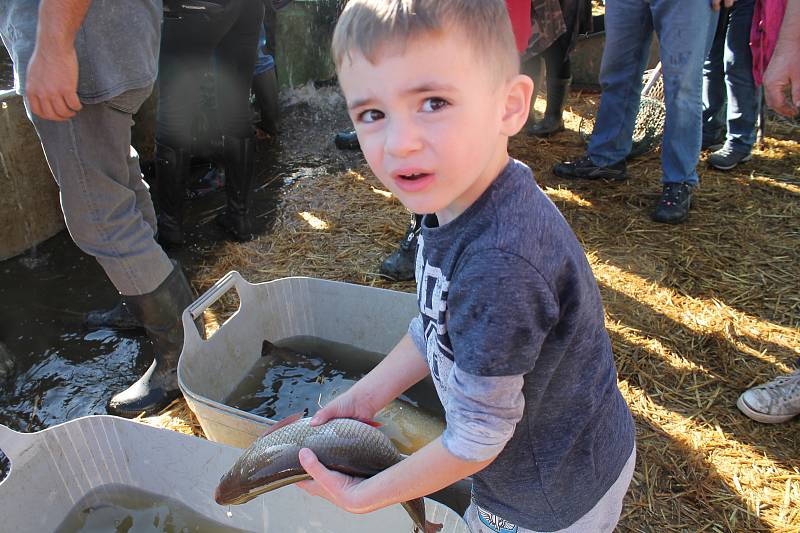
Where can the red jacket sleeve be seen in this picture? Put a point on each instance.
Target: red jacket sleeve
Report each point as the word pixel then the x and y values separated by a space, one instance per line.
pixel 520 13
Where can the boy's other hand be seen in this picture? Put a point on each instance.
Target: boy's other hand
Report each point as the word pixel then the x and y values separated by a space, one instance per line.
pixel 347 405
pixel 52 83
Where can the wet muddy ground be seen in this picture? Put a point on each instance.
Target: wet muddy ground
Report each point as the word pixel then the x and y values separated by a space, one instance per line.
pixel 6 70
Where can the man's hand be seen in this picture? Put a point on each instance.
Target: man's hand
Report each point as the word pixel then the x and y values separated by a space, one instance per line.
pixel 52 80
pixel 717 4
pixel 782 84
pixel 52 83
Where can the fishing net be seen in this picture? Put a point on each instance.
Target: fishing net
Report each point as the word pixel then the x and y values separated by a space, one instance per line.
pixel 649 126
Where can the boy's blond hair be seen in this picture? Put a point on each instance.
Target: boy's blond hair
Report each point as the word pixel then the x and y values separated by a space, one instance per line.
pixel 366 25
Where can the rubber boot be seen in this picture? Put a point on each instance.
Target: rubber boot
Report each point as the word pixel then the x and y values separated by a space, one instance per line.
pixel 160 312
pixel 532 67
pixel 347 140
pixel 265 89
pixel 553 120
pixel 239 154
pixel 400 265
pixel 118 317
pixel 172 168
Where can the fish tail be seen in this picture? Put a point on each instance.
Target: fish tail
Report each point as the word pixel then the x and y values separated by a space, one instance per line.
pixel 430 527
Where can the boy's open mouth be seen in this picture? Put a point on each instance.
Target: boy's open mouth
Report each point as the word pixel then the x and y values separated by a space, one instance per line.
pixel 413 177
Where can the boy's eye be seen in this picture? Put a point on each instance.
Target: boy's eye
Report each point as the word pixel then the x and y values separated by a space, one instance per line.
pixel 434 104
pixel 370 115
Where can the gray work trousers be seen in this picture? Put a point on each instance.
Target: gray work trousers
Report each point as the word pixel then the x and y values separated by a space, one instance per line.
pixel 106 203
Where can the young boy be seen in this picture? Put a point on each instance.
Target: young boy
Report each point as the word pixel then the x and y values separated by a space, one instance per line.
pixel 511 323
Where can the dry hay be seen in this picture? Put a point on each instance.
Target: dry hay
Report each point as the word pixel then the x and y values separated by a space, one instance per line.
pixel 697 313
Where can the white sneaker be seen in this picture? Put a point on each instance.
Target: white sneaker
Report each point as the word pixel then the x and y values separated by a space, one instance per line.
pixel 773 402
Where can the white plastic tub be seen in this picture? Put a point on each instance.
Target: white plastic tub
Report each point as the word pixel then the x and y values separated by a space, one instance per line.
pixel 54 469
pixel 367 318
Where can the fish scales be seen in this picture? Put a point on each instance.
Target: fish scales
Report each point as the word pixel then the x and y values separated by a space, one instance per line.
pixel 354 445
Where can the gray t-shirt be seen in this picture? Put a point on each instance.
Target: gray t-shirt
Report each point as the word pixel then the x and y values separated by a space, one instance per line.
pixel 512 326
pixel 117 45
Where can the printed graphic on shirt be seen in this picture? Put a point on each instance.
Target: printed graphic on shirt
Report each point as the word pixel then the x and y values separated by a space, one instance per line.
pixel 432 290
pixel 494 522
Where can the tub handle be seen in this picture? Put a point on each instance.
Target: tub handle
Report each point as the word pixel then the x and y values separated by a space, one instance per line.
pixel 12 442
pixel 230 280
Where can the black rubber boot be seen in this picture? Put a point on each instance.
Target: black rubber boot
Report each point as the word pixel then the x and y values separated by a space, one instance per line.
pixel 265 89
pixel 347 140
pixel 160 312
pixel 118 317
pixel 553 120
pixel 400 265
pixel 172 168
pixel 239 157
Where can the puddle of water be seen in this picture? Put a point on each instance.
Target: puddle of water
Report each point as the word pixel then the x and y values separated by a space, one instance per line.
pixel 122 509
pixel 61 370
pixel 6 70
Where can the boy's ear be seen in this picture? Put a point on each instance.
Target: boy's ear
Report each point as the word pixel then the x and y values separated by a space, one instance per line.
pixel 517 105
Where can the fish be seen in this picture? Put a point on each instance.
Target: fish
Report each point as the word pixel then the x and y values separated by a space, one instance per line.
pixel 345 445
pixel 409 427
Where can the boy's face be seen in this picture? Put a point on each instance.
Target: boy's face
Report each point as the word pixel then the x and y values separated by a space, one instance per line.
pixel 433 121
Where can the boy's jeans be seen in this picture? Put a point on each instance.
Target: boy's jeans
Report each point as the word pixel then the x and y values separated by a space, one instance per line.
pixel 729 71
pixel 602 518
pixel 682 27
pixel 106 204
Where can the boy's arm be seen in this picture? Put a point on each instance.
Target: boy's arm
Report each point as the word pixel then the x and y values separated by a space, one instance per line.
pixel 430 469
pixel 52 79
pixel 400 369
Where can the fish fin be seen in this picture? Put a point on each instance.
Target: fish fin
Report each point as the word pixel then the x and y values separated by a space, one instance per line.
pixel 430 527
pixel 373 423
pixel 291 419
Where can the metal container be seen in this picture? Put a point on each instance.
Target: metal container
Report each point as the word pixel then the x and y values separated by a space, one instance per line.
pixel 85 461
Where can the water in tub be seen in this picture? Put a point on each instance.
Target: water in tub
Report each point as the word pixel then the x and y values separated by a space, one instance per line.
pixel 123 509
pixel 304 373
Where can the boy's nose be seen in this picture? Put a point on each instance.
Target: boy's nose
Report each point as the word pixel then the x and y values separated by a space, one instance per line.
pixel 402 138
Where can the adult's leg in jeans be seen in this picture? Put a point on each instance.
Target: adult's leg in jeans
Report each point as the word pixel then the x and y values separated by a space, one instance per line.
pixel 629 30
pixel 683 28
pixel 743 97
pixel 89 158
pixel 714 83
pixel 144 202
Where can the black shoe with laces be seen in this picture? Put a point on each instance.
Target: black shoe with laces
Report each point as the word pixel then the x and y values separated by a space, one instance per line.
pixel 673 206
pixel 585 169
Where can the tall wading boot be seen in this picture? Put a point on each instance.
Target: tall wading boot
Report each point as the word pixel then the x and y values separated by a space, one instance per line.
pixel 118 317
pixel 239 154
pixel 172 168
pixel 265 89
pixel 160 312
pixel 553 120
pixel 400 265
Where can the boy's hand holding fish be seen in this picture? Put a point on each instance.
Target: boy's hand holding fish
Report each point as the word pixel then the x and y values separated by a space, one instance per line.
pixel 430 469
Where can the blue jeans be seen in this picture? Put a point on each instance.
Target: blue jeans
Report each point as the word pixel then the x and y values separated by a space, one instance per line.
pixel 728 72
pixel 683 29
pixel 106 203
